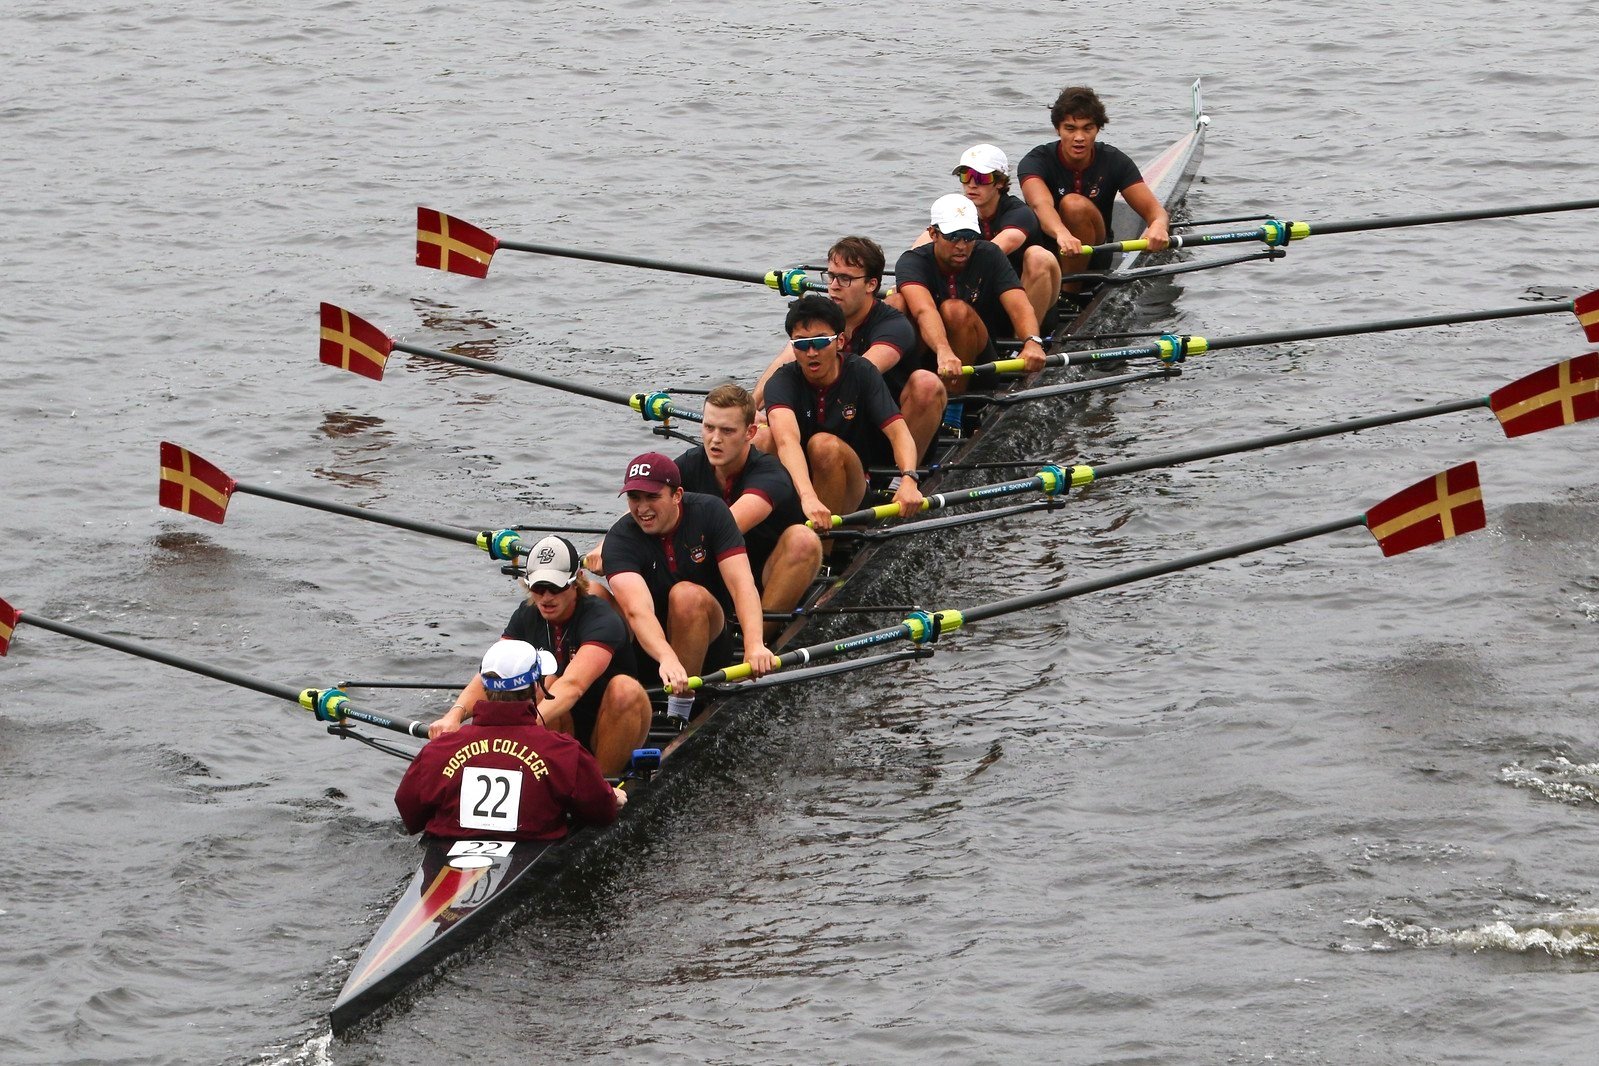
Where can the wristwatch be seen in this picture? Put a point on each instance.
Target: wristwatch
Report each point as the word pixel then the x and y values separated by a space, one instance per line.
pixel 1034 338
pixel 914 475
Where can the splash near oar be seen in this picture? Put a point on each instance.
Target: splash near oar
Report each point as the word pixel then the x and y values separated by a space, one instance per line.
pixel 444 242
pixel 1277 232
pixel 330 705
pixel 1175 348
pixel 351 343
pixel 1439 508
pixel 1557 395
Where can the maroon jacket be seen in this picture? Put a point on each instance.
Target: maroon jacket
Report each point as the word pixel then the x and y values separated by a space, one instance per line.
pixel 503 776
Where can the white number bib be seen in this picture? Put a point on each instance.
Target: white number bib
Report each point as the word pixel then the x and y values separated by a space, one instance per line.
pixel 490 799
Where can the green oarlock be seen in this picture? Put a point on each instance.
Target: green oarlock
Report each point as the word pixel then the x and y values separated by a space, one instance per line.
pixel 503 545
pixel 327 704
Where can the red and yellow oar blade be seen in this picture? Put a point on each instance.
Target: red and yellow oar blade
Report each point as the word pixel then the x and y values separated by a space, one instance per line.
pixel 192 485
pixel 1554 396
pixel 351 343
pixel 444 242
pixel 1443 506
pixel 1586 308
pixel 9 617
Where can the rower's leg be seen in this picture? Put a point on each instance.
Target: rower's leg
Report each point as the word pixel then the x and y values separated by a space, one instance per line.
pixel 967 333
pixel 763 439
pixel 836 473
pixel 788 572
pixel 1087 225
pixel 1041 279
pixel 622 725
pixel 693 620
pixel 922 402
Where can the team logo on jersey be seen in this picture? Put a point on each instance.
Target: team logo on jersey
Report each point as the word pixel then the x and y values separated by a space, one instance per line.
pixel 1093 190
pixel 848 412
pixel 697 553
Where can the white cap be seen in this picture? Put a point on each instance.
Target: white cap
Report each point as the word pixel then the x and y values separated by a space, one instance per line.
pixel 956 216
pixel 552 561
pixel 985 159
pixel 516 665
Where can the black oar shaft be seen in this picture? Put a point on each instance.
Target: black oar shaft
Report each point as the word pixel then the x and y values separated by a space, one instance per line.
pixel 1363 224
pixel 575 387
pixel 1153 462
pixel 1392 325
pixel 432 529
pixel 637 261
pixel 1144 573
pixel 232 677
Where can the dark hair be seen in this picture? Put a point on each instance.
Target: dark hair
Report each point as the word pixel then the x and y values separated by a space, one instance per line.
pixel 814 308
pixel 1078 101
pixel 731 395
pixel 861 252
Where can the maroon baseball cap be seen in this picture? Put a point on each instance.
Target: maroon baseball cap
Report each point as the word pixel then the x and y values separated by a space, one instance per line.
pixel 652 472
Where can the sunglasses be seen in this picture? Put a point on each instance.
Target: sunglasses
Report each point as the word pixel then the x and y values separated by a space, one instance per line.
pixel 968 176
pixel 812 344
pixel 544 588
pixel 964 236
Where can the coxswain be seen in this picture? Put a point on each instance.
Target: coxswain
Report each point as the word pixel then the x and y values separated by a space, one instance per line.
pixel 880 334
pixel 594 696
pixel 677 565
pixel 503 775
pixel 962 294
pixel 1071 183
pixel 784 553
pixel 831 418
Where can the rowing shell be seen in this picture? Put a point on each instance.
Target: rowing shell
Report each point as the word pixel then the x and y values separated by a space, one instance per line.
pixel 462 886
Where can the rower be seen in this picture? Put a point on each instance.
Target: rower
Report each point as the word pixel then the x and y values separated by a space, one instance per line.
pixel 962 294
pixel 1071 183
pixel 830 418
pixel 879 333
pixel 784 553
pixel 1006 220
pixel 595 696
pixel 504 776
pixel 677 565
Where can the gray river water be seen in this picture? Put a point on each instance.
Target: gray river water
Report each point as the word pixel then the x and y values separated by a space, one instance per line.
pixel 1311 806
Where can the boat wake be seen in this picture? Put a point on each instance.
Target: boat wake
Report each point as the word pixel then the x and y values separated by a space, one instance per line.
pixel 1560 934
pixel 1558 778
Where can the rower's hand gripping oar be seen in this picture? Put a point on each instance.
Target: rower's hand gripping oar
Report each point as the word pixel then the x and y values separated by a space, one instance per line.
pixel 1557 395
pixel 1174 348
pixel 1441 507
pixel 1277 232
pixel 444 242
pixel 191 484
pixel 330 705
pixel 351 343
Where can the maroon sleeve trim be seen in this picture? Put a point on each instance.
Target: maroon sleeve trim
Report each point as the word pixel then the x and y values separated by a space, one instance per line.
pixel 891 419
pixel 759 494
pixel 739 550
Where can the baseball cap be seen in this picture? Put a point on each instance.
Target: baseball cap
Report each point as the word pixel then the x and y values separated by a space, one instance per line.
pixel 652 472
pixel 985 159
pixel 552 561
pixel 956 216
pixel 516 665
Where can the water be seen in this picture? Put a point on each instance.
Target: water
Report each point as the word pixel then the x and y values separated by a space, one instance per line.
pixel 1313 806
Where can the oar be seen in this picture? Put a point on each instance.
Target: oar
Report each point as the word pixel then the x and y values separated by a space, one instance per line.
pixel 1277 232
pixel 329 704
pixel 1445 505
pixel 195 486
pixel 351 343
pixel 445 242
pixel 1174 348
pixel 1557 395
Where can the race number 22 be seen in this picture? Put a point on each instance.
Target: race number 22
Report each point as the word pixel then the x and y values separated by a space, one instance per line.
pixel 490 798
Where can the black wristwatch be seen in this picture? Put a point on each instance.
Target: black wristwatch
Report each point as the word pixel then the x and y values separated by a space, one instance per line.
pixel 914 475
